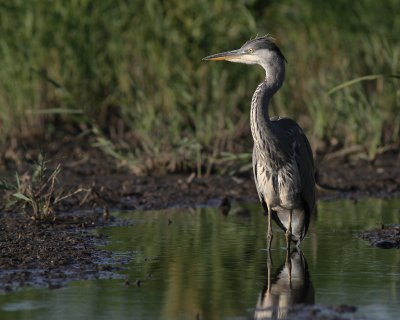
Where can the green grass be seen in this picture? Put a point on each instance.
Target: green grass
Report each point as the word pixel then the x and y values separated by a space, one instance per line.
pixel 131 73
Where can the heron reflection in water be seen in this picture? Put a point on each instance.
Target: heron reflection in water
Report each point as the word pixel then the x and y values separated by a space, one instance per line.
pixel 290 285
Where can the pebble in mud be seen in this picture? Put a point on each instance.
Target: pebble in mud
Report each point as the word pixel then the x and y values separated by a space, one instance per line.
pixel 225 206
pixel 127 282
pixel 384 244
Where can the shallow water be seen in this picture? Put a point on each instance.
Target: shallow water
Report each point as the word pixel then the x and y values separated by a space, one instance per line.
pixel 200 263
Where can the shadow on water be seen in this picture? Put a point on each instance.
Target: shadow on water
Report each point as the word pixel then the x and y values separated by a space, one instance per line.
pixel 201 264
pixel 290 285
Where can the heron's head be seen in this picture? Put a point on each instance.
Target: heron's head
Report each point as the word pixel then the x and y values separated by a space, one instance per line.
pixel 262 51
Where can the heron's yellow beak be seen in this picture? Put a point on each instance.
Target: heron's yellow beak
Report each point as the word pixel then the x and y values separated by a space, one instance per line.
pixel 229 56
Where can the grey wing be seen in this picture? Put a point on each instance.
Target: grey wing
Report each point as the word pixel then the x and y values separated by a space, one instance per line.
pixel 305 163
pixel 304 160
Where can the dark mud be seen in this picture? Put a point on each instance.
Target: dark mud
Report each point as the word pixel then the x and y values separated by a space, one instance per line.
pixel 314 312
pixel 387 237
pixel 110 184
pixel 360 177
pixel 50 253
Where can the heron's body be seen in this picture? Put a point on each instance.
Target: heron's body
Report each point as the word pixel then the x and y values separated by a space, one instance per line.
pixel 282 158
pixel 282 165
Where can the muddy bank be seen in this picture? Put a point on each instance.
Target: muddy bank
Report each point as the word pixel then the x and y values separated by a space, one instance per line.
pixel 312 312
pixel 50 253
pixel 109 184
pixel 123 190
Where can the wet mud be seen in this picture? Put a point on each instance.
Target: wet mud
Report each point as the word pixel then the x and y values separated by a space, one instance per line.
pixel 50 253
pixel 108 183
pixel 387 237
pixel 314 312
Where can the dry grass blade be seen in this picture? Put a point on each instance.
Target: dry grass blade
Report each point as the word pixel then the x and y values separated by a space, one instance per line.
pixel 68 195
pixel 55 111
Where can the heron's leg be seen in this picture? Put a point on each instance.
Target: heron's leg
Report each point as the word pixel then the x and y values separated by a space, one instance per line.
pixel 289 231
pixel 269 270
pixel 269 232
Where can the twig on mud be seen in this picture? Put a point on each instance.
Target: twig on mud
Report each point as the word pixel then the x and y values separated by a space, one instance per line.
pixel 360 151
pixel 343 152
pixel 86 196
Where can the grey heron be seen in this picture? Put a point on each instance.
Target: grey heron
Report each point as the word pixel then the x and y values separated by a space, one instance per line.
pixel 283 163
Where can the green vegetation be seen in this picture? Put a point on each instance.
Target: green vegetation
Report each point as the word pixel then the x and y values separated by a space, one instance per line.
pixel 130 73
pixel 36 193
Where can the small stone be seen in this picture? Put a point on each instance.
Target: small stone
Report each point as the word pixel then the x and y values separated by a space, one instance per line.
pixel 127 282
pixel 225 206
pixel 385 244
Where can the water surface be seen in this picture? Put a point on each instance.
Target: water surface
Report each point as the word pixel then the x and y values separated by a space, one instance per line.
pixel 200 263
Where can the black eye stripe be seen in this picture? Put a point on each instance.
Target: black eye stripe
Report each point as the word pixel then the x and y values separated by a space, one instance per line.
pixel 262 43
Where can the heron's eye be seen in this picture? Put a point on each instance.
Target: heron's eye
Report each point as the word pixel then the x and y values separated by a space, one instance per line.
pixel 251 50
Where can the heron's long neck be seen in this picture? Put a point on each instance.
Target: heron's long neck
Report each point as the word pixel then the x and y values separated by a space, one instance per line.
pixel 261 127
